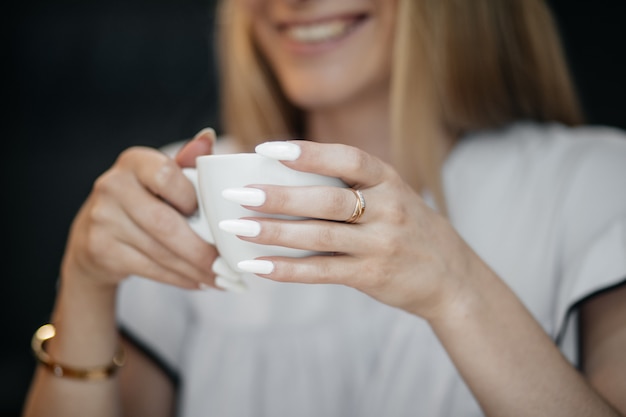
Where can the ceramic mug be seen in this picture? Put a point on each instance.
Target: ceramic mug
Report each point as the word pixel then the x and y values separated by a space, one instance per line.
pixel 215 173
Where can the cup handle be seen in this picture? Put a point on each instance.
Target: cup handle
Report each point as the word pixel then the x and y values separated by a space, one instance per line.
pixel 227 278
pixel 198 221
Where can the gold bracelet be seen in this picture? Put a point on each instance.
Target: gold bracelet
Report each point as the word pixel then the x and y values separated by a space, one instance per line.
pixel 97 373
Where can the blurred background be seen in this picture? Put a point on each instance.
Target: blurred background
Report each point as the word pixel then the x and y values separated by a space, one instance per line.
pixel 89 78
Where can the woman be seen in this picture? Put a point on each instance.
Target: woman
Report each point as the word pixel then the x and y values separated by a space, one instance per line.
pixel 491 231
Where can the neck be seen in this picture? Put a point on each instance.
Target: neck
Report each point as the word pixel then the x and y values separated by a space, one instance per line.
pixel 364 124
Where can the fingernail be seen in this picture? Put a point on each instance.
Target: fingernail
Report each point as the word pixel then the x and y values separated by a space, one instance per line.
pixel 229 285
pixel 247 228
pixel 283 151
pixel 207 131
pixel 245 196
pixel 220 267
pixel 204 287
pixel 256 266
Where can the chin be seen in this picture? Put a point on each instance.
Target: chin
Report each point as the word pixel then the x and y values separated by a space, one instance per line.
pixel 311 102
pixel 316 95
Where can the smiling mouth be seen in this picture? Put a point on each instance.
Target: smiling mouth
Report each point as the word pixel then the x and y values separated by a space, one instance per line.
pixel 321 31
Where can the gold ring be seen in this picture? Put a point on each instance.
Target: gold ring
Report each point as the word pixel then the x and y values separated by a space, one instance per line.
pixel 359 207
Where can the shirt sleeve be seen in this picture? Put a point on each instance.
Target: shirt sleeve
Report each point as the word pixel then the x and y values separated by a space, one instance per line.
pixel 594 229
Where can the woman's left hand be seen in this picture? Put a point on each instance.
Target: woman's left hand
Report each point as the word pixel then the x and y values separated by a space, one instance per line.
pixel 400 251
pixel 405 254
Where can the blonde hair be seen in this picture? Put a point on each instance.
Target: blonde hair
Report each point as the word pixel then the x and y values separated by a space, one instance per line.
pixel 458 66
pixel 254 107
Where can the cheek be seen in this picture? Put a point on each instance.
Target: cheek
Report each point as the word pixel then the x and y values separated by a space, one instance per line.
pixel 361 67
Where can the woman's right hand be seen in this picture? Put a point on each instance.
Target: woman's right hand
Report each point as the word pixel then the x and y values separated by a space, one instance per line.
pixel 133 223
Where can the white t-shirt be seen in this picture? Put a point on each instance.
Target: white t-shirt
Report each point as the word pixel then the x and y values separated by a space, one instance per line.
pixel 543 205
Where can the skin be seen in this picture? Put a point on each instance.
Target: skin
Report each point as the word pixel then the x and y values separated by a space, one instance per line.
pixel 135 215
pixel 131 222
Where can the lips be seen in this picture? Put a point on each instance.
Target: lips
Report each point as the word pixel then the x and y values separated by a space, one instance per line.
pixel 322 30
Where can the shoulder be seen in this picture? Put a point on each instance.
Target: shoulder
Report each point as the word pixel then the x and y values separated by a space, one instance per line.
pixel 544 205
pixel 533 143
pixel 539 155
pixel 531 174
pixel 539 181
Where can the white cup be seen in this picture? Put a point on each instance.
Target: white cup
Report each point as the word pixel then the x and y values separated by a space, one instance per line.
pixel 215 173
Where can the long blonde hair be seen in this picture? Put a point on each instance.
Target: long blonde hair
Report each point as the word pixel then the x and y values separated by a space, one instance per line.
pixel 458 66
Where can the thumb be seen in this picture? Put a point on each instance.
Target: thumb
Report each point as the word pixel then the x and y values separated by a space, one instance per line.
pixel 201 144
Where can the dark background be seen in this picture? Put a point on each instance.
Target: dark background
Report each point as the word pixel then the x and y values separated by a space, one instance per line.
pixel 89 78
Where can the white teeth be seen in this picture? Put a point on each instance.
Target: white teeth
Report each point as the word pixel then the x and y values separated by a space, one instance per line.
pixel 319 32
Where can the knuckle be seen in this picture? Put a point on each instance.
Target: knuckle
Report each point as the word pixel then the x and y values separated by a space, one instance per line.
pixel 161 219
pixel 324 238
pixel 271 232
pixel 280 199
pixel 104 184
pixel 356 160
pixel 395 212
pixel 392 175
pixel 202 256
pixel 336 204
pixel 389 243
pixel 285 271
pixel 397 244
pixel 98 245
pixel 165 174
pixel 127 155
pixel 195 255
pixel 374 276
pixel 325 274
pixel 99 213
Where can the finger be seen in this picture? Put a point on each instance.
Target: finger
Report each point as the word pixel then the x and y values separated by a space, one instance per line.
pixel 329 203
pixel 229 284
pixel 227 279
pixel 167 227
pixel 201 144
pixel 221 268
pixel 111 223
pixel 140 265
pixel 311 235
pixel 157 173
pixel 352 165
pixel 319 269
pixel 131 235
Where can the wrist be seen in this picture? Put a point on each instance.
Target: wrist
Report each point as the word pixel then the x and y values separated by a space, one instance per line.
pixel 92 373
pixel 465 293
pixel 84 281
pixel 84 317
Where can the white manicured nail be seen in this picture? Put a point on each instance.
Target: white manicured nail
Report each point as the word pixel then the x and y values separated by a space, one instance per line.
pixel 229 285
pixel 247 228
pixel 256 266
pixel 283 151
pixel 245 196
pixel 220 267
